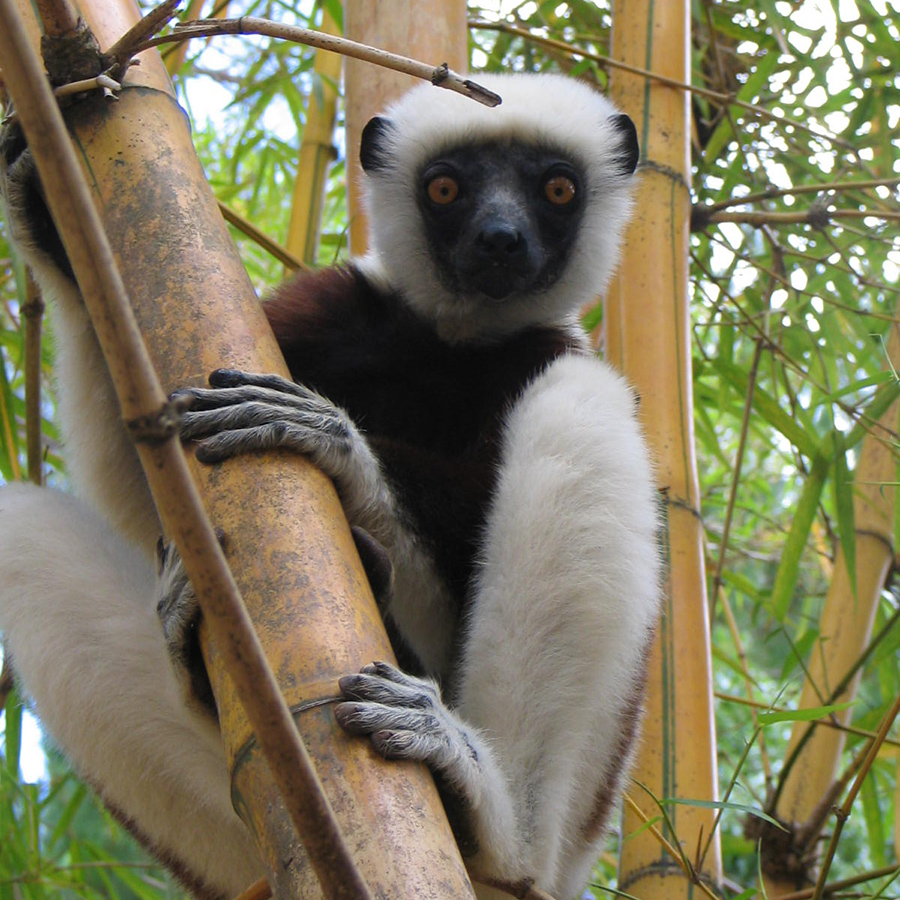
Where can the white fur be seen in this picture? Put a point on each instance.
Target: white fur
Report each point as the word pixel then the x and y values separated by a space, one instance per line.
pixel 77 609
pixel 564 600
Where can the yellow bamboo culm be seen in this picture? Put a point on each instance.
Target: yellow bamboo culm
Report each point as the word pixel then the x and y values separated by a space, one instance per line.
pixel 289 547
pixel 316 153
pixel 647 335
pixel 845 628
pixel 433 29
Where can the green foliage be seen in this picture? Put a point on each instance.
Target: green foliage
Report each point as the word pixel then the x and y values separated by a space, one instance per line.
pixel 57 841
pixel 795 120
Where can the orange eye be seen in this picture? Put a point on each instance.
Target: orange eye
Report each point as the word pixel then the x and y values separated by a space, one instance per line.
pixel 559 190
pixel 442 190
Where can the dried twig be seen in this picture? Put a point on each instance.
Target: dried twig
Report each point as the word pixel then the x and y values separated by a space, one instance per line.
pixel 440 76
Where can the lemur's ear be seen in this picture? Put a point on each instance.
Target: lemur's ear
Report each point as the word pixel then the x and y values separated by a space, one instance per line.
pixel 630 152
pixel 373 148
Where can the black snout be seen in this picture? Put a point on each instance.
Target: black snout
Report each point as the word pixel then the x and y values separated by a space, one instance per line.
pixel 500 242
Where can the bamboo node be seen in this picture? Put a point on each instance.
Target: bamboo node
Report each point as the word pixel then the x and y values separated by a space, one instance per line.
pixel 818 216
pixel 785 855
pixel 72 56
pixel 158 427
pixel 296 710
pixel 440 74
pixel 34 308
pixel 665 868
pixel 700 216
pixel 667 171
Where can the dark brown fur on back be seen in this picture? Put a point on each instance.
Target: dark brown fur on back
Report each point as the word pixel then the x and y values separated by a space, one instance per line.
pixel 432 411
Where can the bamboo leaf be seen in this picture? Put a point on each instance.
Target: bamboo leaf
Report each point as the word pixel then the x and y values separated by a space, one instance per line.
pixel 843 502
pixel 875 820
pixel 804 515
pixel 66 816
pixel 767 407
pixel 720 804
pixel 801 715
pixel 754 84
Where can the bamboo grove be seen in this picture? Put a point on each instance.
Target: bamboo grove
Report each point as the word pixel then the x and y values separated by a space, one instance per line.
pixel 762 284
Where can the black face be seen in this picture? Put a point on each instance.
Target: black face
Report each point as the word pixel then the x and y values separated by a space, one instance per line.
pixel 500 219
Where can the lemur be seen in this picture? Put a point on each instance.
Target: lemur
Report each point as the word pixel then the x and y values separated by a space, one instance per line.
pixel 445 385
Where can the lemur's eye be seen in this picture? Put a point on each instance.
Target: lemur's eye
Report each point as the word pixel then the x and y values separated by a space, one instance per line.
pixel 442 190
pixel 559 190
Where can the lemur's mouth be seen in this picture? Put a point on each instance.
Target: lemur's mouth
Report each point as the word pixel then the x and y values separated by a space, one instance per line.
pixel 499 282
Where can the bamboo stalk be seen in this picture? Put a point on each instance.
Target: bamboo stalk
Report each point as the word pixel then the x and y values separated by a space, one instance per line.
pixel 316 153
pixel 844 632
pixel 291 550
pixel 436 28
pixel 647 334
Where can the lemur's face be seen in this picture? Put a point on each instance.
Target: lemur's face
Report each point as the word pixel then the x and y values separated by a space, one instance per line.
pixel 500 218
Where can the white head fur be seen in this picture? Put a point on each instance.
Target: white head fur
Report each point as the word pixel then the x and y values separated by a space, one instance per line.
pixel 551 111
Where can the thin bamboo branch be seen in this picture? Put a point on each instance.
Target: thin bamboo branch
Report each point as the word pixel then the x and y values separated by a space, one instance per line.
pixel 748 746
pixel 736 476
pixel 611 63
pixel 677 855
pixel 175 58
pixel 818 217
pixel 440 76
pixel 825 723
pixel 834 886
pixel 143 400
pixel 121 53
pixel 316 151
pixel 796 190
pixel 832 696
pixel 33 312
pixel 285 257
